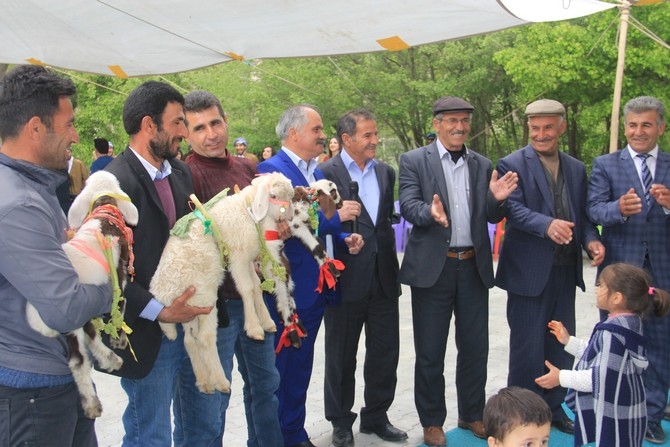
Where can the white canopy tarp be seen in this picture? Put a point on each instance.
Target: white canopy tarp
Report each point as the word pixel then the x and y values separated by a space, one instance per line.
pixel 146 37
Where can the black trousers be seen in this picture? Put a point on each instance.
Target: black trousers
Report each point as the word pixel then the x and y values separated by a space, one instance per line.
pixel 458 291
pixel 344 322
pixel 531 343
pixel 44 417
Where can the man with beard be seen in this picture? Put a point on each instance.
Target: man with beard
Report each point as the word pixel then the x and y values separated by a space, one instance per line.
pixel 37 128
pixel 301 132
pixel 159 186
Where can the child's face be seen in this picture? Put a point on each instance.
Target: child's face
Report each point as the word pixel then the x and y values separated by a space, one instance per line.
pixel 530 435
pixel 602 296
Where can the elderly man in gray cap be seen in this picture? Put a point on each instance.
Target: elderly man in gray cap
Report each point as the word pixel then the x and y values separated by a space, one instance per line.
pixel 541 260
pixel 448 192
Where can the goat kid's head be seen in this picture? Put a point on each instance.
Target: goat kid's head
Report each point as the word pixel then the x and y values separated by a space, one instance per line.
pixel 273 196
pixel 102 188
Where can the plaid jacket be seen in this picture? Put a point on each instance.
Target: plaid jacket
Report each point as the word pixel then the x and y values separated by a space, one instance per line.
pixel 614 413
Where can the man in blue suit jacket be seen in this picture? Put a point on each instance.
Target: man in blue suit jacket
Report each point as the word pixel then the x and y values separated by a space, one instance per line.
pixel 541 260
pixel 638 232
pixel 301 132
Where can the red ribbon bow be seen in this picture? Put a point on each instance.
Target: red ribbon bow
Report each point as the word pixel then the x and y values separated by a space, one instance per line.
pixel 326 276
pixel 284 340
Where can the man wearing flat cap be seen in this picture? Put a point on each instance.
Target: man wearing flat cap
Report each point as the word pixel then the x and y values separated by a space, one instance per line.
pixel 449 192
pixel 541 260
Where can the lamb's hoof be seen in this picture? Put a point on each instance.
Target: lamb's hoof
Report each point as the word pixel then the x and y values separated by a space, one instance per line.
pixel 92 408
pixel 112 362
pixel 119 343
pixel 296 342
pixel 270 328
pixel 211 388
pixel 256 334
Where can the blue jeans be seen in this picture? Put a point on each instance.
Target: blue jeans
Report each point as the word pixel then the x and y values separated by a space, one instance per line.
pixel 147 417
pixel 256 363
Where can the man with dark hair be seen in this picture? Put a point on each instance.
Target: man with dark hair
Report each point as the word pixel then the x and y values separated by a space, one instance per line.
pixel 159 186
pixel 368 289
pixel 37 128
pixel 215 169
pixel 101 154
pixel 629 197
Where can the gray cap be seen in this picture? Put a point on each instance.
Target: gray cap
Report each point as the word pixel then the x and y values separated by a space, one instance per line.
pixel 451 104
pixel 545 107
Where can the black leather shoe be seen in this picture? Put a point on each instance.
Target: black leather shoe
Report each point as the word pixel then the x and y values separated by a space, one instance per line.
pixel 654 433
pixel 307 443
pixel 564 425
pixel 343 437
pixel 386 431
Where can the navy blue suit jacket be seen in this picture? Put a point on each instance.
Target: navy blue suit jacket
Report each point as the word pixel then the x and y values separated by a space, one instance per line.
pixel 629 240
pixel 527 254
pixel 378 256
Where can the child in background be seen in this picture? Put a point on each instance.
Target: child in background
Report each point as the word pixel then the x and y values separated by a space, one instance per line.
pixel 606 390
pixel 517 417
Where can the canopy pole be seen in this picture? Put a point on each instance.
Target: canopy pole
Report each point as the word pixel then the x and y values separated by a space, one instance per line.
pixel 618 80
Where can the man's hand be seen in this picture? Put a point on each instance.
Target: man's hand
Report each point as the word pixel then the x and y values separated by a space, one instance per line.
pixel 501 188
pixel 350 209
pixel 597 251
pixel 437 211
pixel 560 231
pixel 630 203
pixel 661 194
pixel 180 311
pixel 283 229
pixel 354 243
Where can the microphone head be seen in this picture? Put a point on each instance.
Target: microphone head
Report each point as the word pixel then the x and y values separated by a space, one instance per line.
pixel 353 188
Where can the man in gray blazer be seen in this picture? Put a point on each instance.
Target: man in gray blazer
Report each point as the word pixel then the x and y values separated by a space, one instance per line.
pixel 368 289
pixel 636 230
pixel 540 263
pixel 449 192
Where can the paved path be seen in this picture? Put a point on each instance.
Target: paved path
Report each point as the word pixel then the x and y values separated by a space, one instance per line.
pixel 402 413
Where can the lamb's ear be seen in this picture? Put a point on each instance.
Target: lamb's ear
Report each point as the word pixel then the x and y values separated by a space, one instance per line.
pixel 79 210
pixel 261 203
pixel 129 211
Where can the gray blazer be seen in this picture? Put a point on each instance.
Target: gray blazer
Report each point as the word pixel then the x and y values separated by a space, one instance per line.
pixel 421 176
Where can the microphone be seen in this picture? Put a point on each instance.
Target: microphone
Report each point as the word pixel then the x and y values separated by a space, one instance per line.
pixel 353 192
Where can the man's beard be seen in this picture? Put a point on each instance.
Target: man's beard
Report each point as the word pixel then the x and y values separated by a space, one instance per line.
pixel 161 147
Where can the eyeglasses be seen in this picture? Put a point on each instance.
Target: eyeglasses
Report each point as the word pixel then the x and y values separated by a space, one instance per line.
pixel 454 121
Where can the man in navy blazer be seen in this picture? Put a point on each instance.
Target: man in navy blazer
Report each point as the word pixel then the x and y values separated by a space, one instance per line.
pixel 540 262
pixel 449 192
pixel 638 232
pixel 301 132
pixel 368 289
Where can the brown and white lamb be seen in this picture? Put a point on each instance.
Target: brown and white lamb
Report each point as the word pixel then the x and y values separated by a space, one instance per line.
pixel 98 214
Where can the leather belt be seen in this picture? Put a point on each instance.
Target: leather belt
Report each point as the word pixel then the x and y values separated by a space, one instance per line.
pixel 461 255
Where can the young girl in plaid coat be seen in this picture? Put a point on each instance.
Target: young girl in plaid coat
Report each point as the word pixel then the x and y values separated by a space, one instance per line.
pixel 605 387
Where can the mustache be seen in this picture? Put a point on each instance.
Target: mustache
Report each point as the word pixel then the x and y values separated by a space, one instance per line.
pixel 321 141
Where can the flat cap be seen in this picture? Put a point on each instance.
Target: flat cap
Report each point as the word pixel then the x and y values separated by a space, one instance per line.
pixel 545 107
pixel 451 104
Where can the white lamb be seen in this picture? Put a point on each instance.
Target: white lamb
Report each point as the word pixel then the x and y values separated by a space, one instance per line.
pixel 196 260
pixel 97 212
